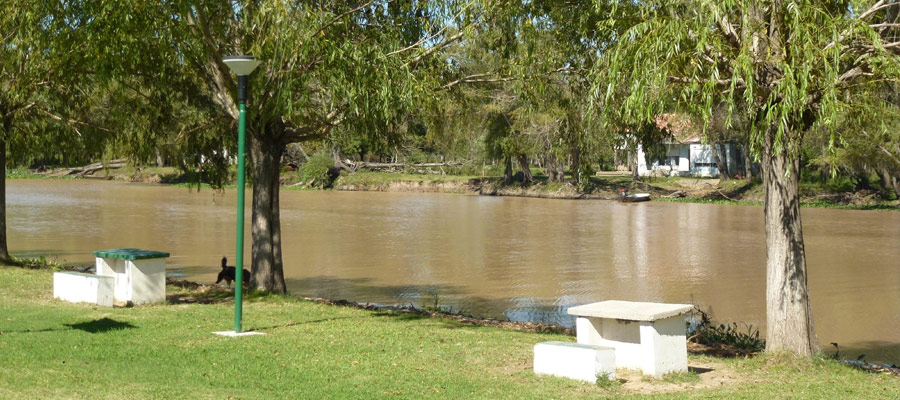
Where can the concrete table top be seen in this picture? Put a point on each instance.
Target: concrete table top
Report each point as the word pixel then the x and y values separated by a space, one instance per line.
pixel 130 254
pixel 630 310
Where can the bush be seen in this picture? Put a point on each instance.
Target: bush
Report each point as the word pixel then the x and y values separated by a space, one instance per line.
pixel 316 171
pixel 743 339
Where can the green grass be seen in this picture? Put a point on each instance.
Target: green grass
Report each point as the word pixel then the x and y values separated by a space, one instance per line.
pixel 54 349
pixel 21 173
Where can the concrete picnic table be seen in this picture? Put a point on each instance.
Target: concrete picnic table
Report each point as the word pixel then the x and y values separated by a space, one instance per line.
pixel 140 275
pixel 646 336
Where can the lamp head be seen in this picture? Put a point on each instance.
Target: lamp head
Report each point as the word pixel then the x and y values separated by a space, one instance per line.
pixel 241 65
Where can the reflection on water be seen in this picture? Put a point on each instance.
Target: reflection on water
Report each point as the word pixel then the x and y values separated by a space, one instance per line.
pixel 520 259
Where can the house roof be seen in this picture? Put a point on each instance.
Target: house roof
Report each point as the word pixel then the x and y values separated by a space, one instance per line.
pixel 680 126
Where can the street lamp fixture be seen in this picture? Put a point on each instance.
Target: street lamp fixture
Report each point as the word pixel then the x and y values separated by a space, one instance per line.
pixel 242 66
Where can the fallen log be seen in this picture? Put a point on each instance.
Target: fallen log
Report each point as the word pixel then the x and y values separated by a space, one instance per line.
pixel 91 168
pixel 374 165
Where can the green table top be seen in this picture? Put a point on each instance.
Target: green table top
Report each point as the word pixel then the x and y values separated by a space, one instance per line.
pixel 130 254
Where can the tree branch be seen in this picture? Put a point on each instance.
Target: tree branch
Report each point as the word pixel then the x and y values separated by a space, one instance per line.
pixel 21 107
pixel 476 78
pixel 71 123
pixel 221 86
pixel 880 5
pixel 313 131
pixel 718 82
pixel 342 15
pixel 429 37
pixel 727 29
pixel 437 47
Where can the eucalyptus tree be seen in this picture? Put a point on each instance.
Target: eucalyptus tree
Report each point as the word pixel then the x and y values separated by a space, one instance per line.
pixel 356 65
pixel 792 66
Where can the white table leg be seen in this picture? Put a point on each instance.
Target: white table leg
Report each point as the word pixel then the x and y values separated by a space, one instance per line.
pixel 664 347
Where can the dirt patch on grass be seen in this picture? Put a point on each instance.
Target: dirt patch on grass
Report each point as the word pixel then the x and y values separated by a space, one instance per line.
pixel 701 375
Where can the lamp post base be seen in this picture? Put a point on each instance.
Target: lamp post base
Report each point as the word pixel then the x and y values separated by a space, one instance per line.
pixel 237 334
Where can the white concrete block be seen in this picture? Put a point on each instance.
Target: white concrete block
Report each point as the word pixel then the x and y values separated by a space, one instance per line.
pixel 575 361
pixel 79 287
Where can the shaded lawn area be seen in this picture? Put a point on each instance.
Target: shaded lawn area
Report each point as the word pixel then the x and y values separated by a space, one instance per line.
pixel 53 349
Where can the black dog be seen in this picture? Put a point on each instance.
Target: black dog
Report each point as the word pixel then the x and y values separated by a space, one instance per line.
pixel 227 274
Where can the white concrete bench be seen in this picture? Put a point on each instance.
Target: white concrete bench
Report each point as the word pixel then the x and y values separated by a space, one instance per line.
pixel 139 275
pixel 575 361
pixel 78 287
pixel 646 336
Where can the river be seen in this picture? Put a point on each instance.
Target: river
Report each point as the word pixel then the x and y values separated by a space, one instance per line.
pixel 502 257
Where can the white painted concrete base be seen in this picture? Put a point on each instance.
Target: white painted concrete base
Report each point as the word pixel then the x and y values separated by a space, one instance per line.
pixel 574 361
pixel 138 281
pixel 78 287
pixel 236 334
pixel 655 347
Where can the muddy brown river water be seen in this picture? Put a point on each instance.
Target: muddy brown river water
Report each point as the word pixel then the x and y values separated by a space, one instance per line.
pixel 502 257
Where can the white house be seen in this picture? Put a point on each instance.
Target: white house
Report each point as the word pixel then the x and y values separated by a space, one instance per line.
pixel 690 158
pixel 686 154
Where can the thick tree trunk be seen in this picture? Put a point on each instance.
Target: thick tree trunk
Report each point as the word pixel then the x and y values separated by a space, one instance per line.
pixel 267 272
pixel 889 181
pixel 526 169
pixel 720 163
pixel 575 167
pixel 555 170
pixel 4 251
pixel 789 323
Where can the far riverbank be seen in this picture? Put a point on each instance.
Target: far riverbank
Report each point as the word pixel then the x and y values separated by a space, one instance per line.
pixel 603 186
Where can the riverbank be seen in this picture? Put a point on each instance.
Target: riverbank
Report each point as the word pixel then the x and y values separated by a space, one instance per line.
pixel 317 350
pixel 604 186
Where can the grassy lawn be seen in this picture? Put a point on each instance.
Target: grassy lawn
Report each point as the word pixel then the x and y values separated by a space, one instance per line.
pixel 53 349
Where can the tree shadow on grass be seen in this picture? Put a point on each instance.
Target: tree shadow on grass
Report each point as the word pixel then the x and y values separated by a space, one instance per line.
pixel 94 326
pixel 205 293
pixel 101 325
pixel 291 324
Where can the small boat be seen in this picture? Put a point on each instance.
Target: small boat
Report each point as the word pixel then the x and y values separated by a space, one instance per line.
pixel 633 198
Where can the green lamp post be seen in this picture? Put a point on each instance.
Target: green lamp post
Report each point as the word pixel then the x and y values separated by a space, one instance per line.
pixel 242 66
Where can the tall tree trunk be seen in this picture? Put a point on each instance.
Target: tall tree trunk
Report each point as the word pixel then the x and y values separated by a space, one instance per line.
pixel 720 163
pixel 507 170
pixel 526 169
pixel 789 323
pixel 4 251
pixel 748 161
pixel 267 271
pixel 633 160
pixel 160 160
